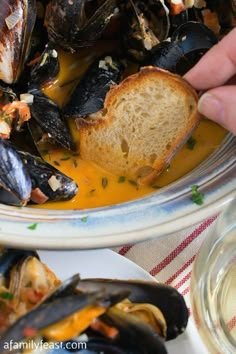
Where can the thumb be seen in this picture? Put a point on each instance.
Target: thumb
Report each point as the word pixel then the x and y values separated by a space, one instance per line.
pixel 219 105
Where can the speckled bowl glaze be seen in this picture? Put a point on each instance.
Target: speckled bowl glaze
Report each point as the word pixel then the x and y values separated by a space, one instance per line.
pixel 166 211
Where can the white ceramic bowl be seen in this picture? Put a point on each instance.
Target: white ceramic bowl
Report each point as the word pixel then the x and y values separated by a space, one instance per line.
pixel 168 210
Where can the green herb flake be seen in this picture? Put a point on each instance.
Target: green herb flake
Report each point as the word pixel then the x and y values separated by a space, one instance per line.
pixel 133 182
pixel 65 158
pixel 191 143
pixel 104 182
pixel 75 163
pixel 56 163
pixel 121 179
pixel 92 191
pixel 197 197
pixel 32 226
pixel 156 187
pixel 84 219
pixel 6 295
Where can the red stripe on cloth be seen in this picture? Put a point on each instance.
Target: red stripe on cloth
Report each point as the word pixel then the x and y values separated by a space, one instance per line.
pixel 232 323
pixel 174 276
pixel 171 256
pixel 185 291
pixel 125 249
pixel 183 280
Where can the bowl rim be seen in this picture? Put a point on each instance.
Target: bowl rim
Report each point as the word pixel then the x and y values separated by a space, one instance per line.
pixel 161 213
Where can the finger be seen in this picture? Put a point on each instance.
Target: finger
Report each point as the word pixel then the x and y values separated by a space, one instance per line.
pixel 219 105
pixel 216 66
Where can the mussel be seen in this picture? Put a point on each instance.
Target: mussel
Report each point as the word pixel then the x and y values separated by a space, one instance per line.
pixel 48 183
pixel 15 182
pixel 88 97
pixel 17 19
pixel 114 316
pixel 27 177
pixel 146 23
pixel 76 24
pixel 24 281
pixel 187 45
pixel 50 118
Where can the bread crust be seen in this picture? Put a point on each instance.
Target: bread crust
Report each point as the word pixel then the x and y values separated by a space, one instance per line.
pixel 105 123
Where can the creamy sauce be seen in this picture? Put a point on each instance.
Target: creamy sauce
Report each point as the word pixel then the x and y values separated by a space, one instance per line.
pixel 96 186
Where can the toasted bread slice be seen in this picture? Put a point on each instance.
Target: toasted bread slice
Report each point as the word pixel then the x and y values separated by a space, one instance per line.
pixel 145 120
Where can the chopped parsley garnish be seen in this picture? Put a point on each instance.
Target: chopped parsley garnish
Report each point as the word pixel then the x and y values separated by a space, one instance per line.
pixel 156 187
pixel 6 295
pixel 32 226
pixel 133 182
pixel 104 182
pixel 75 163
pixel 92 191
pixel 197 197
pixel 84 219
pixel 121 179
pixel 56 163
pixel 191 143
pixel 65 158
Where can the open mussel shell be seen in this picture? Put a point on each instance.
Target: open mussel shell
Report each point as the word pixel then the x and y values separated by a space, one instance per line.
pixel 9 257
pixel 135 336
pixel 47 314
pixel 50 118
pixel 70 26
pixel 46 68
pixel 192 36
pixel 90 93
pixel 165 55
pixel 47 181
pixel 187 45
pixel 167 299
pixel 56 308
pixel 146 23
pixel 15 182
pixel 17 19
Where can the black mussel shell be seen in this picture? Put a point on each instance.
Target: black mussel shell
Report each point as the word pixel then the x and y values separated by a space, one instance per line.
pixel 166 298
pixel 135 336
pixel 9 257
pixel 71 27
pixel 188 44
pixel 56 308
pixel 145 25
pixel 46 69
pixel 15 181
pixel 68 287
pixel 50 118
pixel 41 173
pixel 46 314
pixel 90 93
pixel 165 55
pixel 15 38
pixel 192 36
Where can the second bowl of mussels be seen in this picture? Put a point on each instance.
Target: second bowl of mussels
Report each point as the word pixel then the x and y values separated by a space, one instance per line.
pixel 58 61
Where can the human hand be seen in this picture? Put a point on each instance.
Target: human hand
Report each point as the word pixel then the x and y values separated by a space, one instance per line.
pixel 215 73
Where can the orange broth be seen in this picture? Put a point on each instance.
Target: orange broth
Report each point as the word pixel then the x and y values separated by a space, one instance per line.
pixel 98 187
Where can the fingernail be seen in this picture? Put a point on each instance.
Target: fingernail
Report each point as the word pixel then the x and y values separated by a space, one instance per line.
pixel 211 107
